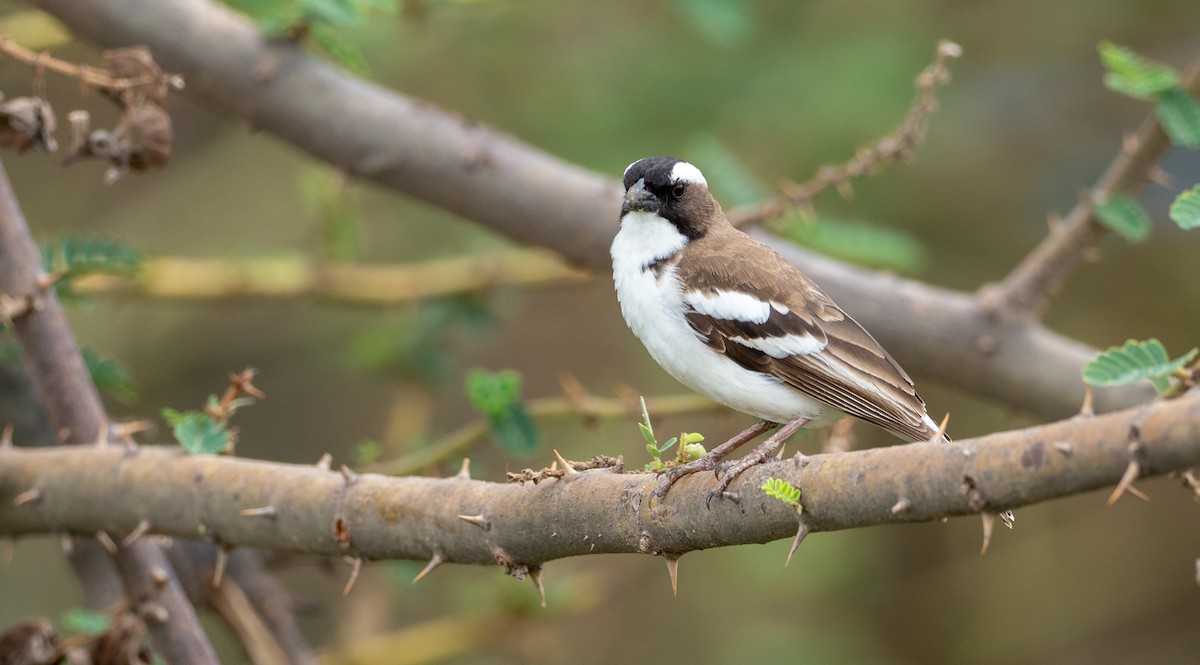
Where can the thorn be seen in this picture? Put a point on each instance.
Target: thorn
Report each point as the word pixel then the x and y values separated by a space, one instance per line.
pixel 478 520
pixel 1064 447
pixel 138 531
pixel 1160 177
pixel 673 571
pixel 126 432
pixel 1086 409
pixel 1126 483
pixel 326 462
pixel 901 506
pixel 67 543
pixel 219 566
pixel 989 523
pixel 10 546
pixel 1198 571
pixel 779 454
pixel 106 541
pixel 27 496
pixel 568 470
pixel 1138 493
pixel 6 440
pixel 436 560
pixel 464 472
pixel 159 576
pixel 348 476
pixel 801 533
pixel 102 435
pixel 266 511
pixel 535 575
pixel 358 564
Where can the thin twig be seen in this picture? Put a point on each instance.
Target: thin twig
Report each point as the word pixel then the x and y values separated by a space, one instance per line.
pixel 85 74
pixel 898 145
pixel 1026 290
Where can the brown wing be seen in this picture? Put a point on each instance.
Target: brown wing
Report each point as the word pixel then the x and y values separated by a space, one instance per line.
pixel 851 372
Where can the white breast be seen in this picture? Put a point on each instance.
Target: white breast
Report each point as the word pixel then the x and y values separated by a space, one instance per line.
pixel 653 306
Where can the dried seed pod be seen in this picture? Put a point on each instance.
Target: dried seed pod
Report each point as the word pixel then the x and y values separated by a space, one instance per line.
pixel 27 122
pixel 136 63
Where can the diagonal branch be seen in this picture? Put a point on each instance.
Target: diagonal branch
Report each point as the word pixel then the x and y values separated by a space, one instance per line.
pixel 522 526
pixel 1031 283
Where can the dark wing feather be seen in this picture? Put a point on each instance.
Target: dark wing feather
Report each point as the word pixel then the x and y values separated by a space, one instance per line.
pixel 852 373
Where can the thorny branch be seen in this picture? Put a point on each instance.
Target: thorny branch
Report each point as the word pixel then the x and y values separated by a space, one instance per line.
pixel 1026 290
pixel 85 74
pixel 899 145
pixel 521 526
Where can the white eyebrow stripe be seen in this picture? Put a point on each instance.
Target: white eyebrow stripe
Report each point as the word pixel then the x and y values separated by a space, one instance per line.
pixel 783 347
pixel 731 305
pixel 682 171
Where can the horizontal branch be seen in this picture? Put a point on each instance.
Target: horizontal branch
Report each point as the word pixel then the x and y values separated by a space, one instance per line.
pixel 310 509
pixel 297 276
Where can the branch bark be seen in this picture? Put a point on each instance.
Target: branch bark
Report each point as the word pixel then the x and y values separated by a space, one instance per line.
pixel 522 526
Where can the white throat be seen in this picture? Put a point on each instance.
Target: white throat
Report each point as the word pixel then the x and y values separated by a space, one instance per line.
pixel 643 239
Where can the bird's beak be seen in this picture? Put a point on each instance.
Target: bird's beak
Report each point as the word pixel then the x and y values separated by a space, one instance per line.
pixel 639 199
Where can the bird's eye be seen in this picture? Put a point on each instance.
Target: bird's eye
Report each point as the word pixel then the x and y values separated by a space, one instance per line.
pixel 678 190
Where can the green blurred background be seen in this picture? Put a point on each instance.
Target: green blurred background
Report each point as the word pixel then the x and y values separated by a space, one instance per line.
pixel 782 88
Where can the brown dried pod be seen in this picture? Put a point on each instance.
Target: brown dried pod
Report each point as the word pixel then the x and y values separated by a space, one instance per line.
pixel 136 63
pixel 27 122
pixel 124 643
pixel 143 140
pixel 30 642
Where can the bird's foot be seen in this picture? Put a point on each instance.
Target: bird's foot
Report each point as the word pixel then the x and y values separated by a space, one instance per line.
pixel 728 471
pixel 668 476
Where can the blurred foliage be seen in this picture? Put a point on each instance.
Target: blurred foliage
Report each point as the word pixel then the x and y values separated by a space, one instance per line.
pixel 1131 74
pixel 322 23
pixel 74 256
pixel 498 396
pixel 111 376
pixel 1133 362
pixel 418 343
pixel 690 447
pixel 338 212
pixel 84 622
pixel 1124 216
pixel 857 242
pixel 1185 210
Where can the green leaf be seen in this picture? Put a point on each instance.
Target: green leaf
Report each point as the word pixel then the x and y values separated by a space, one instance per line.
pixel 76 256
pixel 724 23
pixel 648 435
pixel 692 437
pixel 333 12
pixel 339 49
pixel 197 432
pixel 781 489
pixel 693 451
pixel 1124 216
pixel 493 393
pixel 666 445
pixel 1185 211
pixel 110 377
pixel 1180 117
pixel 85 622
pixel 857 242
pixel 1131 74
pixel 1133 362
pixel 366 452
pixel 515 430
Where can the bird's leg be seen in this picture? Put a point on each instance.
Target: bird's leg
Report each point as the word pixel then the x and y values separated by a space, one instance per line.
pixel 668 476
pixel 757 456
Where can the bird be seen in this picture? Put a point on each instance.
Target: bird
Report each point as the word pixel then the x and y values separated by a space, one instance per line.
pixel 730 318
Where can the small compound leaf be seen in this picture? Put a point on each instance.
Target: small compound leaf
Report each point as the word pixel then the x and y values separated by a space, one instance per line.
pixel 1180 117
pixel 1131 74
pixel 197 432
pixel 781 489
pixel 1124 216
pixel 1133 362
pixel 1185 211
pixel 110 376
